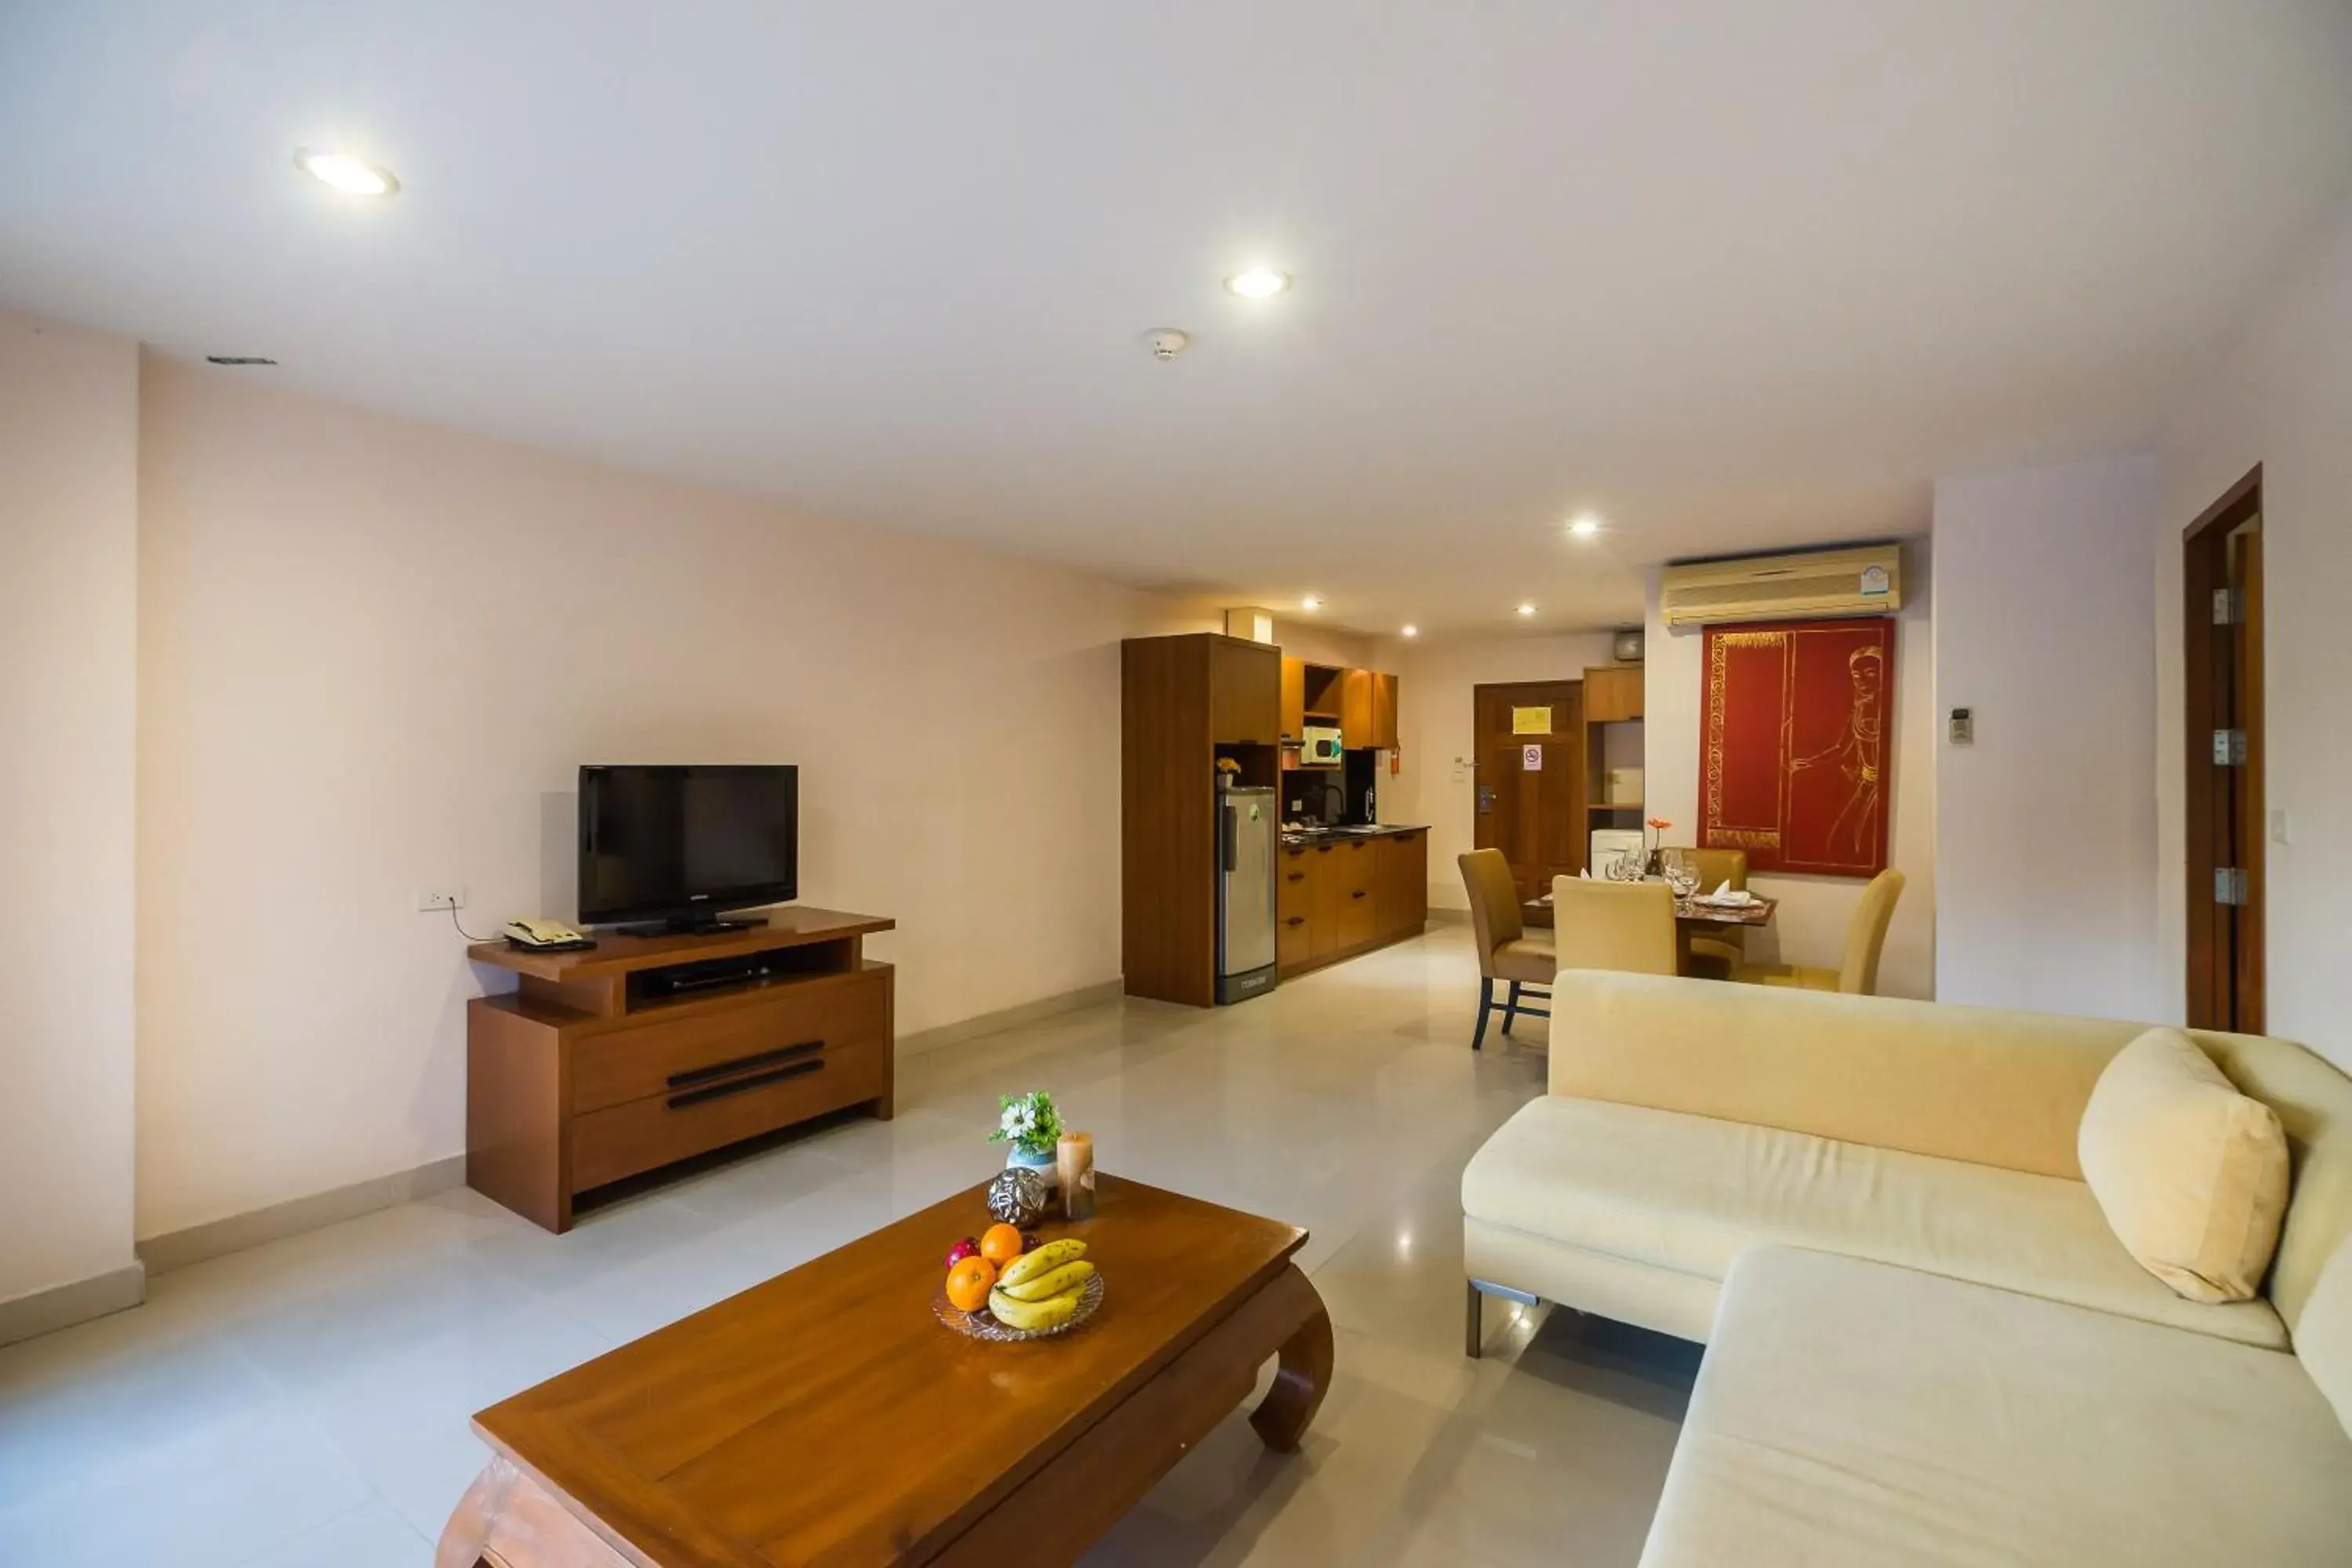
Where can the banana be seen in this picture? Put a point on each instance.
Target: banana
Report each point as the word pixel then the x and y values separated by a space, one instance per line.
pixel 1040 1260
pixel 1068 1277
pixel 1050 1313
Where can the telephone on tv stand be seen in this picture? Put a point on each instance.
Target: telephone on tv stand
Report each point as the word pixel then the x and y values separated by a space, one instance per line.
pixel 547 936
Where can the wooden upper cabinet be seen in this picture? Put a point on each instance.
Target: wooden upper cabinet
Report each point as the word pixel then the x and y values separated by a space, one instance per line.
pixel 1245 692
pixel 1384 710
pixel 1356 708
pixel 1294 697
pixel 1612 694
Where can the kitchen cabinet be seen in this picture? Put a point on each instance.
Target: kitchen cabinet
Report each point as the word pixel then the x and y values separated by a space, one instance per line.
pixel 1294 698
pixel 1356 708
pixel 1245 692
pixel 1357 866
pixel 1186 703
pixel 1338 898
pixel 1384 710
pixel 1612 695
pixel 1400 894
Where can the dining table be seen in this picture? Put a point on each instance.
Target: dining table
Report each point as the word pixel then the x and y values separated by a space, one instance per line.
pixel 1695 915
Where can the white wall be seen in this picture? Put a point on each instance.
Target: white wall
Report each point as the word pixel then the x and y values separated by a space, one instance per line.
pixel 373 653
pixel 68 603
pixel 1810 925
pixel 1436 725
pixel 2045 827
pixel 2282 398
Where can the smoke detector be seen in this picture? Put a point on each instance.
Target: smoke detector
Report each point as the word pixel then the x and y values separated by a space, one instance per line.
pixel 1167 343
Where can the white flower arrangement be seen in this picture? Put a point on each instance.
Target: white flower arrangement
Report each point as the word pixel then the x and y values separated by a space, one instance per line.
pixel 1029 1122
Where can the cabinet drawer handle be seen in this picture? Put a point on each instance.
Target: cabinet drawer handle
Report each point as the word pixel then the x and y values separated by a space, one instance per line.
pixel 1297 877
pixel 1357 894
pixel 756 1059
pixel 1296 921
pixel 744 1085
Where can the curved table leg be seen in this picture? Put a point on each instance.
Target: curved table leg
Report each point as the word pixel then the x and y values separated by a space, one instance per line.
pixel 1304 1374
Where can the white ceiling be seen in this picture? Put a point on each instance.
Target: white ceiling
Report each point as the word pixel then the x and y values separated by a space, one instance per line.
pixel 1737 275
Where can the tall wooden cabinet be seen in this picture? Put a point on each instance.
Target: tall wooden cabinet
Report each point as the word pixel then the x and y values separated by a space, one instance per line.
pixel 1185 701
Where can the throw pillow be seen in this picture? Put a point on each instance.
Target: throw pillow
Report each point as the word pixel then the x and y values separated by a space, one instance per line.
pixel 2191 1174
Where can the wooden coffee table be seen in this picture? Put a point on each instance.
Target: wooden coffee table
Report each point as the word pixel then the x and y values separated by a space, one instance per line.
pixel 827 1416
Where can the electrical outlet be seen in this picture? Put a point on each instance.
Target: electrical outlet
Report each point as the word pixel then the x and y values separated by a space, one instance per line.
pixel 450 900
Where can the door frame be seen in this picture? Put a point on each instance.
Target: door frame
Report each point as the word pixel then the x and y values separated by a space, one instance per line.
pixel 2205 568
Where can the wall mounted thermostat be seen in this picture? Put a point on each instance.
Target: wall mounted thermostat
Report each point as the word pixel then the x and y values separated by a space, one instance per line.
pixel 1964 727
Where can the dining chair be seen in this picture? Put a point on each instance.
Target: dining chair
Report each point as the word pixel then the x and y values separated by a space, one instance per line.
pixel 1865 936
pixel 1601 924
pixel 1716 952
pixel 1507 951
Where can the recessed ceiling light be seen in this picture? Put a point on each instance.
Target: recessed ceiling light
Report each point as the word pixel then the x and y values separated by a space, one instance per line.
pixel 1310 603
pixel 345 173
pixel 1411 631
pixel 1258 283
pixel 1584 525
pixel 1526 609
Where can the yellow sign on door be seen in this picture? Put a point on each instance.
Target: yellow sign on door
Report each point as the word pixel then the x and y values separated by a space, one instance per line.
pixel 1531 721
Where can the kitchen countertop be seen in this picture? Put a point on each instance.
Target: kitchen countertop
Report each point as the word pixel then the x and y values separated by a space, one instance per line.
pixel 1341 835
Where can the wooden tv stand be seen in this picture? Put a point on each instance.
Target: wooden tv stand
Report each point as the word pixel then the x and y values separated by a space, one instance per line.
pixel 644 1050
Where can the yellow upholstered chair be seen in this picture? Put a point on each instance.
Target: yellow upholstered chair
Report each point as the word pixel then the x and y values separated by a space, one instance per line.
pixel 1713 956
pixel 1601 924
pixel 1507 950
pixel 1865 936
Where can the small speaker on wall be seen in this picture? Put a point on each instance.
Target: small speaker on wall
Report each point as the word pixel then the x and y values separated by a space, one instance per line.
pixel 1626 648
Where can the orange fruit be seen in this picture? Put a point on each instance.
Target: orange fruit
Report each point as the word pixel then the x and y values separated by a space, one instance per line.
pixel 1000 1244
pixel 968 1282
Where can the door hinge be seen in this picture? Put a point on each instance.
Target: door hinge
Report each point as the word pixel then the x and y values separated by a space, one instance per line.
pixel 2229 606
pixel 2229 748
pixel 2230 885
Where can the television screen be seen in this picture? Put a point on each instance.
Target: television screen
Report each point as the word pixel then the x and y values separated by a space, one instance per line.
pixel 682 844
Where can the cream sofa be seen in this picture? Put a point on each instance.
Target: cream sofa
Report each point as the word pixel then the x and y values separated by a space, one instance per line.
pixel 1925 1344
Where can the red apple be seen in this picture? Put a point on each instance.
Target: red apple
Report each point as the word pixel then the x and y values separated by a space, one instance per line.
pixel 967 1247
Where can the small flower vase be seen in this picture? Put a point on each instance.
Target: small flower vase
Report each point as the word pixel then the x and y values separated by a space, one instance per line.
pixel 1018 1158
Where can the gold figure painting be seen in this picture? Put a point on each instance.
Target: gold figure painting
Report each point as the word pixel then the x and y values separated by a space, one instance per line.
pixel 1794 750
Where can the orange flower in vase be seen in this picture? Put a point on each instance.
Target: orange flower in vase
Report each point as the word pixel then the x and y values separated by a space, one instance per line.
pixel 1650 852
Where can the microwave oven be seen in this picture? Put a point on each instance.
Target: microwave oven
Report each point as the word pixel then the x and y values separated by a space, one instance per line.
pixel 1318 746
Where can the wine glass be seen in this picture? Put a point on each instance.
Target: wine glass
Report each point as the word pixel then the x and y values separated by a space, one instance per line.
pixel 1682 873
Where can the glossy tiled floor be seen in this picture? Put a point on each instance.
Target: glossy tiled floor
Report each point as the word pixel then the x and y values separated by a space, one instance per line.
pixel 306 1403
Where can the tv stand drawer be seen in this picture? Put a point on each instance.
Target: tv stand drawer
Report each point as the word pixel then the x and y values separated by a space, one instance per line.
pixel 664 1058
pixel 701 1115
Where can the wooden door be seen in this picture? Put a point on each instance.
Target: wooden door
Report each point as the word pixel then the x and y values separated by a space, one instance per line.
pixel 2221 688
pixel 1535 815
pixel 1245 692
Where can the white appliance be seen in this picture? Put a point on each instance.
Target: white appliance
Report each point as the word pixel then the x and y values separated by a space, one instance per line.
pixel 1867 581
pixel 1608 843
pixel 1318 746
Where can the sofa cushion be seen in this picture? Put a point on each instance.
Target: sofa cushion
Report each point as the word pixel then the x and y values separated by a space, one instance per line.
pixel 1689 1193
pixel 1850 1413
pixel 2191 1174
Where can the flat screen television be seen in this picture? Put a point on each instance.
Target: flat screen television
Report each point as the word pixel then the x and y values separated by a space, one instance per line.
pixel 678 847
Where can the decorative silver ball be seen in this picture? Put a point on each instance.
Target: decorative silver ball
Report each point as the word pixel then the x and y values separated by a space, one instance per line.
pixel 1017 1197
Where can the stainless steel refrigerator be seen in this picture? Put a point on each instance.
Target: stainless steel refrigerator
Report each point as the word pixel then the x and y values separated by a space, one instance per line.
pixel 1247 821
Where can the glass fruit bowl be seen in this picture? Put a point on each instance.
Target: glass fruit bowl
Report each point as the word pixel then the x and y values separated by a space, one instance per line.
pixel 984 1326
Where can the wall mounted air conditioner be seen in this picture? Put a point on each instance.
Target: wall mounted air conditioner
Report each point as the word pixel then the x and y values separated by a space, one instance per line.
pixel 1863 581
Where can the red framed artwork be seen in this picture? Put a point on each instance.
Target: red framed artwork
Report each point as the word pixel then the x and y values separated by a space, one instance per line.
pixel 1793 744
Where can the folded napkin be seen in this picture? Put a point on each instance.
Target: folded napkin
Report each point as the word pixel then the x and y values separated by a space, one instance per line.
pixel 1721 891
